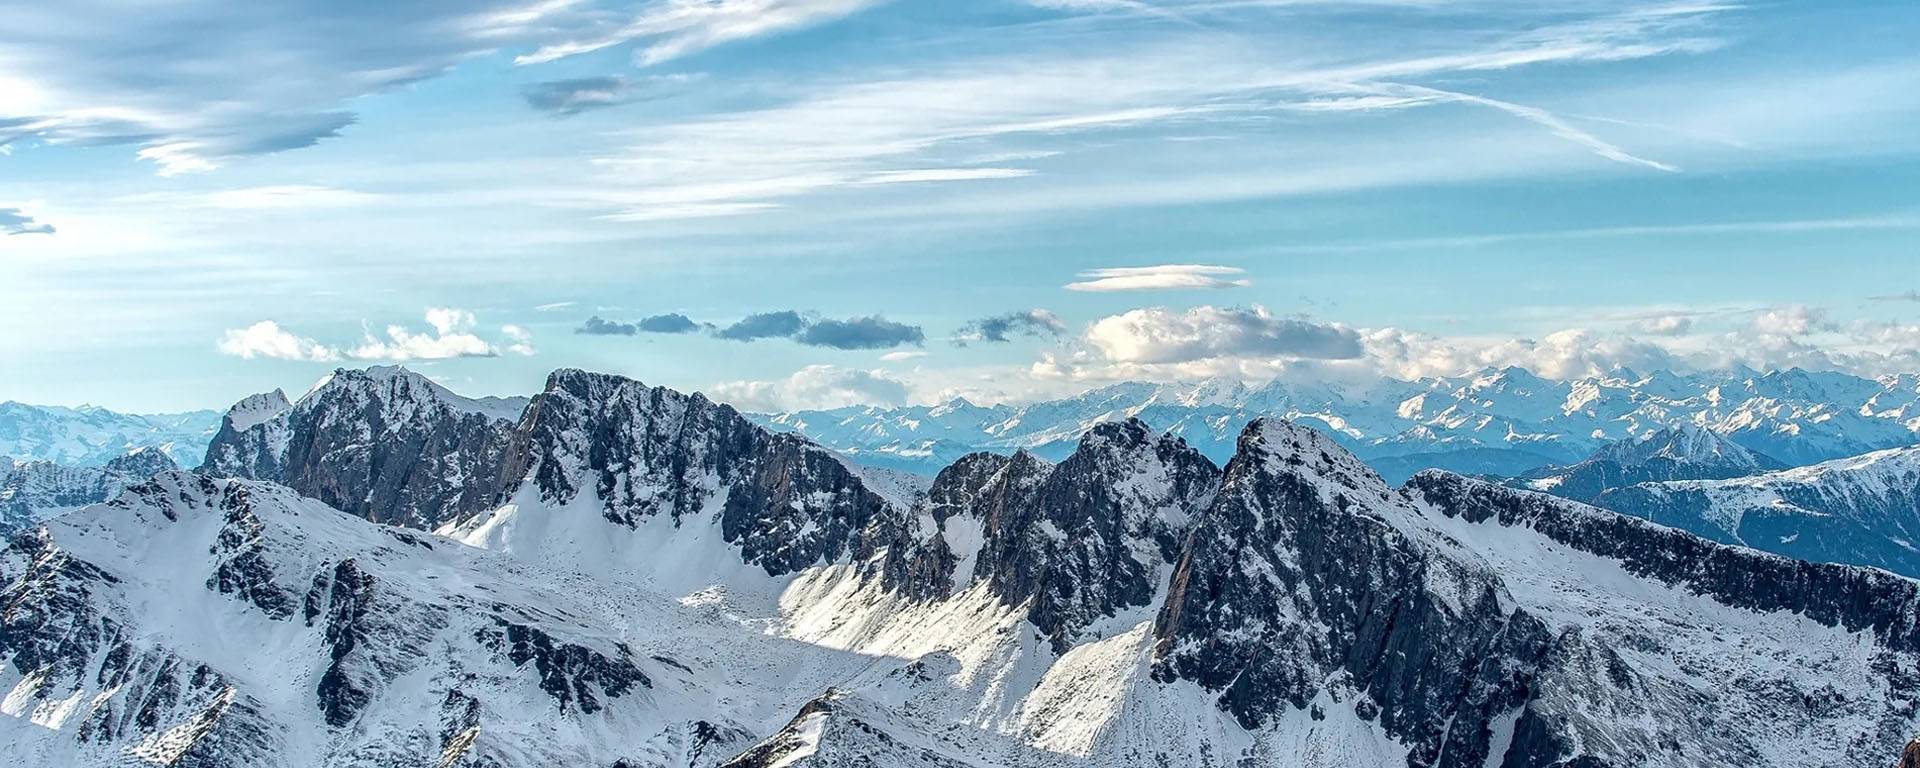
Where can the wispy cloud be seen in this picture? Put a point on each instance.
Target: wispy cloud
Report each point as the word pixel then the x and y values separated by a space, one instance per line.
pixel 676 28
pixel 908 127
pixel 1160 277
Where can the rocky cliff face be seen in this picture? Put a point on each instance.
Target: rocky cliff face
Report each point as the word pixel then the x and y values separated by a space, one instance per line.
pixel 1075 542
pixel 386 444
pixel 642 453
pixel 1448 613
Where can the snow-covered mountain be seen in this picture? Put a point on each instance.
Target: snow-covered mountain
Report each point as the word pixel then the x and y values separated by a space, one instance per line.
pixel 1685 452
pixel 658 582
pixel 92 436
pixel 1497 421
pixel 31 491
pixel 1862 509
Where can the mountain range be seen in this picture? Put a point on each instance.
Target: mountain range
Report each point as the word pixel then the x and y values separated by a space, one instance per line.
pixel 92 436
pixel 1504 421
pixel 383 573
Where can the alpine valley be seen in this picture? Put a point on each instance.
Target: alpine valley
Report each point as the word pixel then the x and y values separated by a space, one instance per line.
pixel 385 573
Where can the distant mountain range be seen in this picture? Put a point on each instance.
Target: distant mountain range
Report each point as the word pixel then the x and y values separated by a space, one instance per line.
pixel 1498 421
pixel 384 573
pixel 93 436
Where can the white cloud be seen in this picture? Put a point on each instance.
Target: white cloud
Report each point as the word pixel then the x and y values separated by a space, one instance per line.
pixel 1158 335
pixel 922 175
pixel 451 336
pixel 1665 325
pixel 520 340
pixel 1791 320
pixel 680 27
pixel 815 386
pixel 267 339
pixel 1159 277
pixel 903 354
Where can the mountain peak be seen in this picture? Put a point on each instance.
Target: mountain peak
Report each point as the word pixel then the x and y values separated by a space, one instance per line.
pixel 254 409
pixel 1284 446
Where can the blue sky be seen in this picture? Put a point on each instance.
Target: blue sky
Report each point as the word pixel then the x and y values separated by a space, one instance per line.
pixel 206 201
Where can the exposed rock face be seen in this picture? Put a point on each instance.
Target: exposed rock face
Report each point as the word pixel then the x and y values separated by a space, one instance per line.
pixel 1294 582
pixel 1863 510
pixel 650 451
pixel 384 443
pixel 31 491
pixel 1074 542
pixel 1310 584
pixel 1685 452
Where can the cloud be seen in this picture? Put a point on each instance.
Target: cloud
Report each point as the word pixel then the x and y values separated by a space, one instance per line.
pixel 267 339
pixel 1158 335
pixel 671 322
pixel 872 332
pixel 1665 325
pixel 912 122
pixel 555 306
pixel 597 326
pixel 903 354
pixel 519 340
pixel 679 28
pixel 194 86
pixel 450 336
pixel 565 98
pixel 1001 328
pixel 1791 320
pixel 13 221
pixel 1160 277
pixel 1906 295
pixel 815 386
pixel 764 325
pixel 667 323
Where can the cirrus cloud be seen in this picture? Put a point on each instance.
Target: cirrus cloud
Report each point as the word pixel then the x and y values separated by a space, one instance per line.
pixel 1159 278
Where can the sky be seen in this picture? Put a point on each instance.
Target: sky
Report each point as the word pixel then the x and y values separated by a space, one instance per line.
pixel 807 203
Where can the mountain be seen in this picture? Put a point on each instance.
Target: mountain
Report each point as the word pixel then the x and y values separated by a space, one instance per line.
pixel 656 581
pixel 1863 509
pixel 383 443
pixel 92 436
pixel 1685 452
pixel 1503 421
pixel 31 491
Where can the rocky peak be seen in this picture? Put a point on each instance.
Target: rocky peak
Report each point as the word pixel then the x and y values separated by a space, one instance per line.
pixel 1074 542
pixel 1307 579
pixel 254 409
pixel 641 452
pixel 383 443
